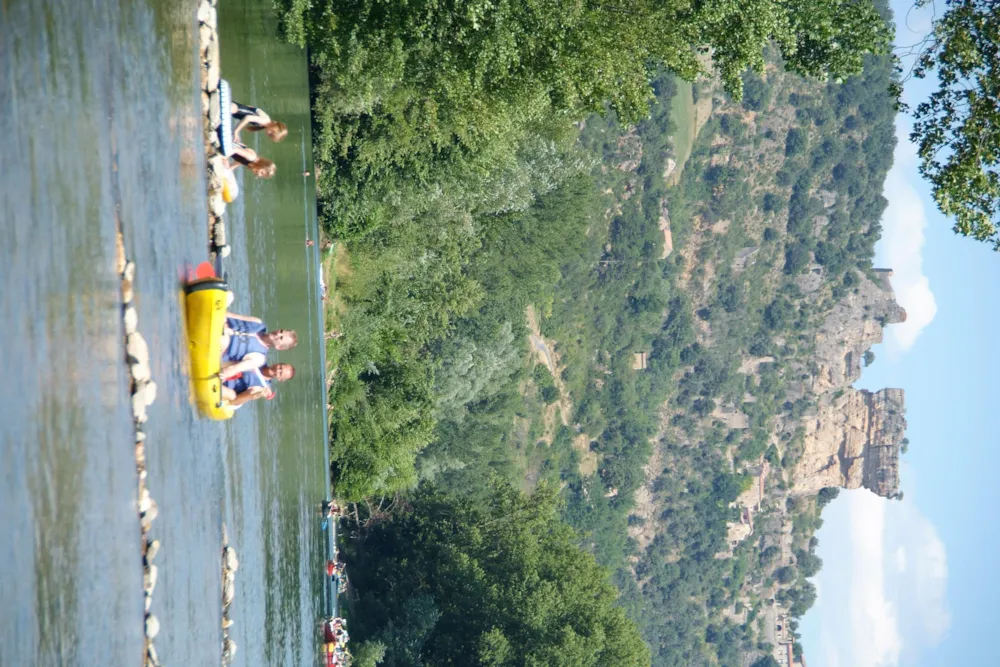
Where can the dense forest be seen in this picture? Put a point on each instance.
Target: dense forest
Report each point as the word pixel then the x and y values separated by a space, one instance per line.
pixel 486 200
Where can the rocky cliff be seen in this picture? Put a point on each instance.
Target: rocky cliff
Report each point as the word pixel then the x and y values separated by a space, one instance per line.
pixel 852 438
pixel 853 325
pixel 853 442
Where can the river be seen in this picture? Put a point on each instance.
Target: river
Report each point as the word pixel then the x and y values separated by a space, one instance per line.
pixel 101 103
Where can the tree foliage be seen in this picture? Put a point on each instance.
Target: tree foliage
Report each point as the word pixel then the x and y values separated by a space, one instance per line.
pixel 497 580
pixel 958 128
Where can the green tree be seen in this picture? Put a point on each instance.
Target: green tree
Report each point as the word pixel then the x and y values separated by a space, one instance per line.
pixel 492 580
pixel 766 661
pixel 869 357
pixel 958 128
pixel 785 575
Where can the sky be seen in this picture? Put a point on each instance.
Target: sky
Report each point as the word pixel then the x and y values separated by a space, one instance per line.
pixel 911 582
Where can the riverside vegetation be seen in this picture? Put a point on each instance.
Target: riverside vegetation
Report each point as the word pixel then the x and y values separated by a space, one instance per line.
pixel 481 160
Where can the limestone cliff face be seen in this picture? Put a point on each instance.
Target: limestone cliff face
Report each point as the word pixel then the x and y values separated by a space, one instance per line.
pixel 853 439
pixel 851 327
pixel 853 442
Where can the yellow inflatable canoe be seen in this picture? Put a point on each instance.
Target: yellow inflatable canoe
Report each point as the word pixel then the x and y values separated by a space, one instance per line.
pixel 206 321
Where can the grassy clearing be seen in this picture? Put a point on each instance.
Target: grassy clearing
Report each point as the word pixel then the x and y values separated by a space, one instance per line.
pixel 683 115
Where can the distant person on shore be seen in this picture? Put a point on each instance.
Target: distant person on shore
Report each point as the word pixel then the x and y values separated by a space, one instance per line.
pixel 255 120
pixel 256 383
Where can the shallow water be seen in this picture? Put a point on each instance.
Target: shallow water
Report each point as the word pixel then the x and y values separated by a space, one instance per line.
pixel 276 486
pixel 103 94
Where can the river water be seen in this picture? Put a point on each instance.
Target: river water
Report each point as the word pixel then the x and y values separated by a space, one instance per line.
pixel 101 104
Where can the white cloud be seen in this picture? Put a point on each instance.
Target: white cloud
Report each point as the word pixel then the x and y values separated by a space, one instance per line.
pixel 901 247
pixel 874 623
pixel 891 568
pixel 901 560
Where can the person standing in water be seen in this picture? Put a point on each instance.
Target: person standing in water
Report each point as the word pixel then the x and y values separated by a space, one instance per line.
pixel 256 120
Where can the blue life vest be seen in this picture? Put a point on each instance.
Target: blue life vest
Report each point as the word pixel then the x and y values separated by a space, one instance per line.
pixel 244 339
pixel 252 378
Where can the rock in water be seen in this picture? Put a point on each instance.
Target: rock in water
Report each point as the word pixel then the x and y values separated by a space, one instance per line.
pixel 216 204
pixel 228 592
pixel 152 550
pixel 213 68
pixel 145 501
pixel 231 562
pixel 228 650
pixel 149 580
pixel 128 274
pixel 214 110
pixel 152 626
pixel 206 14
pixel 148 393
pixel 131 318
pixel 137 348
pixel 205 37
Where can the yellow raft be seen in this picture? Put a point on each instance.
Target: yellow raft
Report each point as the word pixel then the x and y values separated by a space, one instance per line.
pixel 206 321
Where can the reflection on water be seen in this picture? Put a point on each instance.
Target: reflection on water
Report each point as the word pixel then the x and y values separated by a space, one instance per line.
pixel 277 475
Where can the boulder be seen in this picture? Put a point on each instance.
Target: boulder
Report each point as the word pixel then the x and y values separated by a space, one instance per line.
pixel 145 501
pixel 216 204
pixel 152 626
pixel 214 110
pixel 228 592
pixel 147 392
pixel 219 234
pixel 141 373
pixel 146 522
pixel 152 550
pixel 153 658
pixel 213 67
pixel 139 409
pixel 230 560
pixel 131 318
pixel 228 650
pixel 129 272
pixel 225 250
pixel 206 14
pixel 149 579
pixel 137 349
pixel 227 623
pixel 205 37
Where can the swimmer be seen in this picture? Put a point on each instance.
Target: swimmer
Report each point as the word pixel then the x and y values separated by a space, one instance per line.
pixel 255 120
pixel 243 155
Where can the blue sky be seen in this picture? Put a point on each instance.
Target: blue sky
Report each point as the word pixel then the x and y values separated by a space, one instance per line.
pixel 911 582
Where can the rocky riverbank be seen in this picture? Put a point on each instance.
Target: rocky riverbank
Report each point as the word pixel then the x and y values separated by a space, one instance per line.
pixel 143 391
pixel 211 110
pixel 230 563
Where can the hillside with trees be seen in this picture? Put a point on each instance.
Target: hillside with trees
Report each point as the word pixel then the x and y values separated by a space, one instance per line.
pixel 535 295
